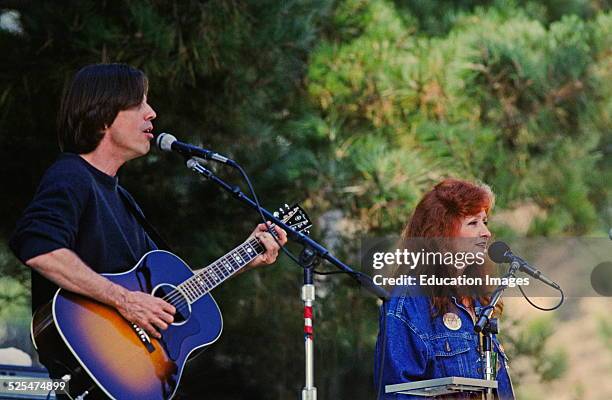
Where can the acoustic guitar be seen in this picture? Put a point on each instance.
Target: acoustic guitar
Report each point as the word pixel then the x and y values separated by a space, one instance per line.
pixel 108 356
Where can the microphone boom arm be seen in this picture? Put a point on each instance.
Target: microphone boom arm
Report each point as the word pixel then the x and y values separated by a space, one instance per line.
pixel 299 237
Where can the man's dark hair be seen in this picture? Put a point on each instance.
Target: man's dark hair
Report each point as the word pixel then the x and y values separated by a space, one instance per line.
pixel 92 101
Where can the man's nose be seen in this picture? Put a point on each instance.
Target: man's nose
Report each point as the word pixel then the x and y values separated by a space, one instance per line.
pixel 151 114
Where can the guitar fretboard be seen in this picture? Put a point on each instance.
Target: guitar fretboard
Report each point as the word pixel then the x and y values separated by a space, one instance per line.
pixel 216 273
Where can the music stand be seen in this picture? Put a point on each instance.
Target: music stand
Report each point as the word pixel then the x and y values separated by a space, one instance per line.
pixel 442 386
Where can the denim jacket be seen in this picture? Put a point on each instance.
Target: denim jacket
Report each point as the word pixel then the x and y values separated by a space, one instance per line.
pixel 417 347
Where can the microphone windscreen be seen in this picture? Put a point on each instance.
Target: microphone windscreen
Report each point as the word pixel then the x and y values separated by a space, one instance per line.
pixel 164 141
pixel 497 252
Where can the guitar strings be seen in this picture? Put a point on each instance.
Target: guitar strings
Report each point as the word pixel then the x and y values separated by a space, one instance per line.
pixel 195 290
pixel 189 286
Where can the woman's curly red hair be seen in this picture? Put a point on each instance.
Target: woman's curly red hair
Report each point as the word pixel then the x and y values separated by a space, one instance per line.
pixel 440 211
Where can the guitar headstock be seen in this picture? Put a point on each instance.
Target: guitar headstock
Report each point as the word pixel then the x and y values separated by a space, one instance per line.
pixel 295 217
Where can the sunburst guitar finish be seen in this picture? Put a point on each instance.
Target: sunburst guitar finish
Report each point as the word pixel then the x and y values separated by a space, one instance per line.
pixel 108 356
pixel 122 361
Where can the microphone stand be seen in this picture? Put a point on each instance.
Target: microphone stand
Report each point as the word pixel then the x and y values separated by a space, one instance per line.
pixel 308 259
pixel 310 256
pixel 487 326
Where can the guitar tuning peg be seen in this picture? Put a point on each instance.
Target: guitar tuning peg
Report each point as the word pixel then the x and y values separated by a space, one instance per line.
pixel 276 214
pixel 287 206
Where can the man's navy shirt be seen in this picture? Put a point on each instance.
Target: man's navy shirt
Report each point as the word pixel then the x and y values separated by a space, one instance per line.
pixel 79 207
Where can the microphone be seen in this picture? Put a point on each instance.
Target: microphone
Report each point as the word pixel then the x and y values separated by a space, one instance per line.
pixel 167 142
pixel 501 253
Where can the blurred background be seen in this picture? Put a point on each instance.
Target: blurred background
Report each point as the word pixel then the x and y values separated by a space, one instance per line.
pixel 353 109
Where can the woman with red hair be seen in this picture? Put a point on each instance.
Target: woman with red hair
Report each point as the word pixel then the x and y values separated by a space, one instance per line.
pixel 427 331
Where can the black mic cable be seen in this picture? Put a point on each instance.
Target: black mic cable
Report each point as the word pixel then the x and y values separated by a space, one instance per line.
pixel 168 142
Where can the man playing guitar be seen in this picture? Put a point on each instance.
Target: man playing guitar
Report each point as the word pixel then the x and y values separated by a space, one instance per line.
pixel 81 222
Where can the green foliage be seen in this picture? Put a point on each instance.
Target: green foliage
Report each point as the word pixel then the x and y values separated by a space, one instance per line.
pixel 530 342
pixel 553 366
pixel 14 302
pixel 553 10
pixel 605 331
pixel 14 285
pixel 502 99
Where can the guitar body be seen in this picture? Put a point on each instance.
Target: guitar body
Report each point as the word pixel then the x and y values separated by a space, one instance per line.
pixel 112 355
pixel 107 356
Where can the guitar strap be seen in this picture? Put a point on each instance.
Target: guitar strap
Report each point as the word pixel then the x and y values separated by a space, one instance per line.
pixel 146 225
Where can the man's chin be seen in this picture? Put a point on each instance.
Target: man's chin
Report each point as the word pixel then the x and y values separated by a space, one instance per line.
pixel 143 151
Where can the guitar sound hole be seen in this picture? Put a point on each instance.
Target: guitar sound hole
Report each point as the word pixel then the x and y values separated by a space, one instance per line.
pixel 173 296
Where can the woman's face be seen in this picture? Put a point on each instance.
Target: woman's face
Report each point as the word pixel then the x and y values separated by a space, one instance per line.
pixel 475 227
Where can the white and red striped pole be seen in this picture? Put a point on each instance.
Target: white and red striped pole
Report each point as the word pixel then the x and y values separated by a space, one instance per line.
pixel 308 296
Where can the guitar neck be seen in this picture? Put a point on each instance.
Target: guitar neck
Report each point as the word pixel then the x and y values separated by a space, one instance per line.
pixel 220 270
